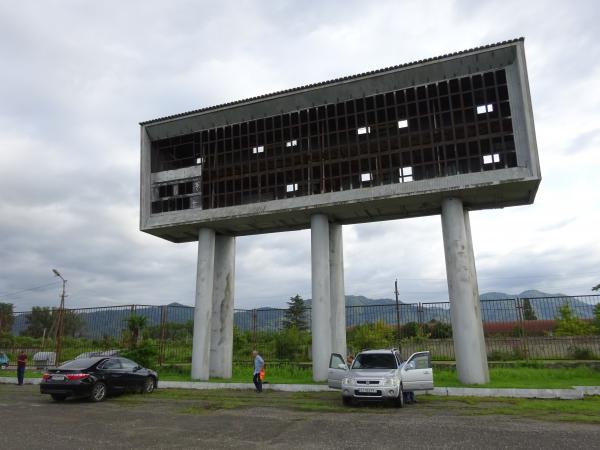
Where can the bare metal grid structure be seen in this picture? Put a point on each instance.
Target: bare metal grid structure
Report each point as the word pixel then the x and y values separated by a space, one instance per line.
pixel 457 126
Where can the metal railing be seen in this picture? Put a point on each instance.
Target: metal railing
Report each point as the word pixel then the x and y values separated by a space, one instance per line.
pixel 514 328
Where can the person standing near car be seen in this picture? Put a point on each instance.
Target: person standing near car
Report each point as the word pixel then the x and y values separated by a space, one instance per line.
pixel 259 363
pixel 21 364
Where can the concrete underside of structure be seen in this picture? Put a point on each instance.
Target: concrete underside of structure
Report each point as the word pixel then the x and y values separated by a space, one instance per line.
pixel 497 189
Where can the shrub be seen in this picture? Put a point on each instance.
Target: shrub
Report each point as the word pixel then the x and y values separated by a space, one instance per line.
pixel 569 325
pixel 440 330
pixel 581 353
pixel 144 354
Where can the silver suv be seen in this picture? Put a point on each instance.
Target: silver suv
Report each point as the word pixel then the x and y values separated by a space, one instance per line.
pixel 380 375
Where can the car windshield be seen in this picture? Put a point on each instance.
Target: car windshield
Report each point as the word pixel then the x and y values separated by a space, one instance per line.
pixel 78 364
pixel 375 361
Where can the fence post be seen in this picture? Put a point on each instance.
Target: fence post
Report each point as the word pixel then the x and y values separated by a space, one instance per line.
pixel 161 343
pixel 254 328
pixel 523 334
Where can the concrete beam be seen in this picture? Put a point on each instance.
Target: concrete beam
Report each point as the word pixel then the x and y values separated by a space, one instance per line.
pixel 467 328
pixel 221 339
pixel 321 291
pixel 203 309
pixel 338 299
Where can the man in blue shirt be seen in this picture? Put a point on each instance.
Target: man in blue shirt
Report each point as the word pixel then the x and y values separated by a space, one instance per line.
pixel 258 366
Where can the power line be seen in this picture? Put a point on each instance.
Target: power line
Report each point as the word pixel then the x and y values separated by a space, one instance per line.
pixel 10 294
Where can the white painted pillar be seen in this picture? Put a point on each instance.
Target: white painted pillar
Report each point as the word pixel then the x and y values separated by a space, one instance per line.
pixel 321 291
pixel 467 328
pixel 203 309
pixel 338 299
pixel 221 339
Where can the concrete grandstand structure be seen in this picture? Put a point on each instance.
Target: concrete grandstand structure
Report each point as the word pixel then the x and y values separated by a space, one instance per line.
pixel 444 136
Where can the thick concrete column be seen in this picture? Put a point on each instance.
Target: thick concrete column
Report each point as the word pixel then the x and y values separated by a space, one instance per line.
pixel 467 328
pixel 338 299
pixel 203 309
pixel 221 339
pixel 481 338
pixel 321 291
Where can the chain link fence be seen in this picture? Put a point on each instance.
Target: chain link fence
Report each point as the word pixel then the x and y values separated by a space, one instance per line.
pixel 514 328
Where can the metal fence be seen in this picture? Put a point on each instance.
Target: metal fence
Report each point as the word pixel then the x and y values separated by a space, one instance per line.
pixel 515 328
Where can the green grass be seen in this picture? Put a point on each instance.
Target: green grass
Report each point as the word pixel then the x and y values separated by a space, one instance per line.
pixel 276 374
pixel 521 376
pixel 584 411
pixel 527 378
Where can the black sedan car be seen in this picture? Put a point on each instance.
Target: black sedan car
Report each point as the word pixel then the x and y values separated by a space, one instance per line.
pixel 97 377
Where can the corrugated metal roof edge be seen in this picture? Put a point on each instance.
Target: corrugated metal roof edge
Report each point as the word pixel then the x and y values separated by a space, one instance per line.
pixel 335 80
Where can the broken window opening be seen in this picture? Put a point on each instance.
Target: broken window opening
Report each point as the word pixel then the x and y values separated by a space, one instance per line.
pixel 482 109
pixel 491 159
pixel 363 130
pixel 365 177
pixel 292 187
pixel 259 149
pixel 406 174
pixel 292 143
pixel 403 123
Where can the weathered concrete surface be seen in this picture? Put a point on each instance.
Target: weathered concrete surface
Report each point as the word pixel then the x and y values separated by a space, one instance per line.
pixel 203 307
pixel 338 299
pixel 221 340
pixel 467 328
pixel 321 291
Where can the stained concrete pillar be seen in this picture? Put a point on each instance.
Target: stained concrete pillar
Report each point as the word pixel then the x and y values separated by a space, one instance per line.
pixel 336 280
pixel 221 339
pixel 467 327
pixel 321 292
pixel 203 309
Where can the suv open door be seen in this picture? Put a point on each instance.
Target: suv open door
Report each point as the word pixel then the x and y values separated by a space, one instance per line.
pixel 337 371
pixel 416 373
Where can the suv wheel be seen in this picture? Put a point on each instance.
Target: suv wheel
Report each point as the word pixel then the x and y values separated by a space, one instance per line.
pixel 399 401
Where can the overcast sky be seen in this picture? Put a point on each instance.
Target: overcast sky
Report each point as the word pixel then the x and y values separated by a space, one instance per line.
pixel 76 78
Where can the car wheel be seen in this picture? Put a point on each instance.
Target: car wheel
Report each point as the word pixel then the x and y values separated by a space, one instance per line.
pixel 399 401
pixel 99 392
pixel 58 397
pixel 148 386
pixel 347 401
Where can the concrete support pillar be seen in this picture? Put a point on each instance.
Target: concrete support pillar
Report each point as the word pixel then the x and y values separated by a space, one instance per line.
pixel 203 309
pixel 467 328
pixel 321 291
pixel 338 299
pixel 221 339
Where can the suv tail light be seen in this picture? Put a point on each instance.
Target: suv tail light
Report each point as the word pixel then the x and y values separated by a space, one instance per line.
pixel 77 376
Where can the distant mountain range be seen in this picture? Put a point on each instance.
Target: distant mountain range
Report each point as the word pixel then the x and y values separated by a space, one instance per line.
pixel 495 307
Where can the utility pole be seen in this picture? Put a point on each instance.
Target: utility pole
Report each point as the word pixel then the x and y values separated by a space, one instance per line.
pixel 61 318
pixel 397 312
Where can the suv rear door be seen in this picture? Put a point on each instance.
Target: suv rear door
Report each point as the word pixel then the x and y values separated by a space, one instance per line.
pixel 337 371
pixel 416 373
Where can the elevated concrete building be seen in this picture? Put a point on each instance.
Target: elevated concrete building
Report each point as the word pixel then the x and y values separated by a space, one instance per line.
pixel 445 135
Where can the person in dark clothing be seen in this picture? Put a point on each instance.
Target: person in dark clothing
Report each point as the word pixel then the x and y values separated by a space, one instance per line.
pixel 21 364
pixel 258 366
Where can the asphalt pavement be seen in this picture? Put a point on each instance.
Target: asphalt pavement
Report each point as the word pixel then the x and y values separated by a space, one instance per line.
pixel 29 420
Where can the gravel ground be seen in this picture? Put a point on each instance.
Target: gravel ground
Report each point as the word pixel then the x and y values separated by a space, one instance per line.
pixel 32 421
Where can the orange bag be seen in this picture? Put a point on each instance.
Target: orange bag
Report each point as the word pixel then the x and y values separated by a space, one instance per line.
pixel 261 374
